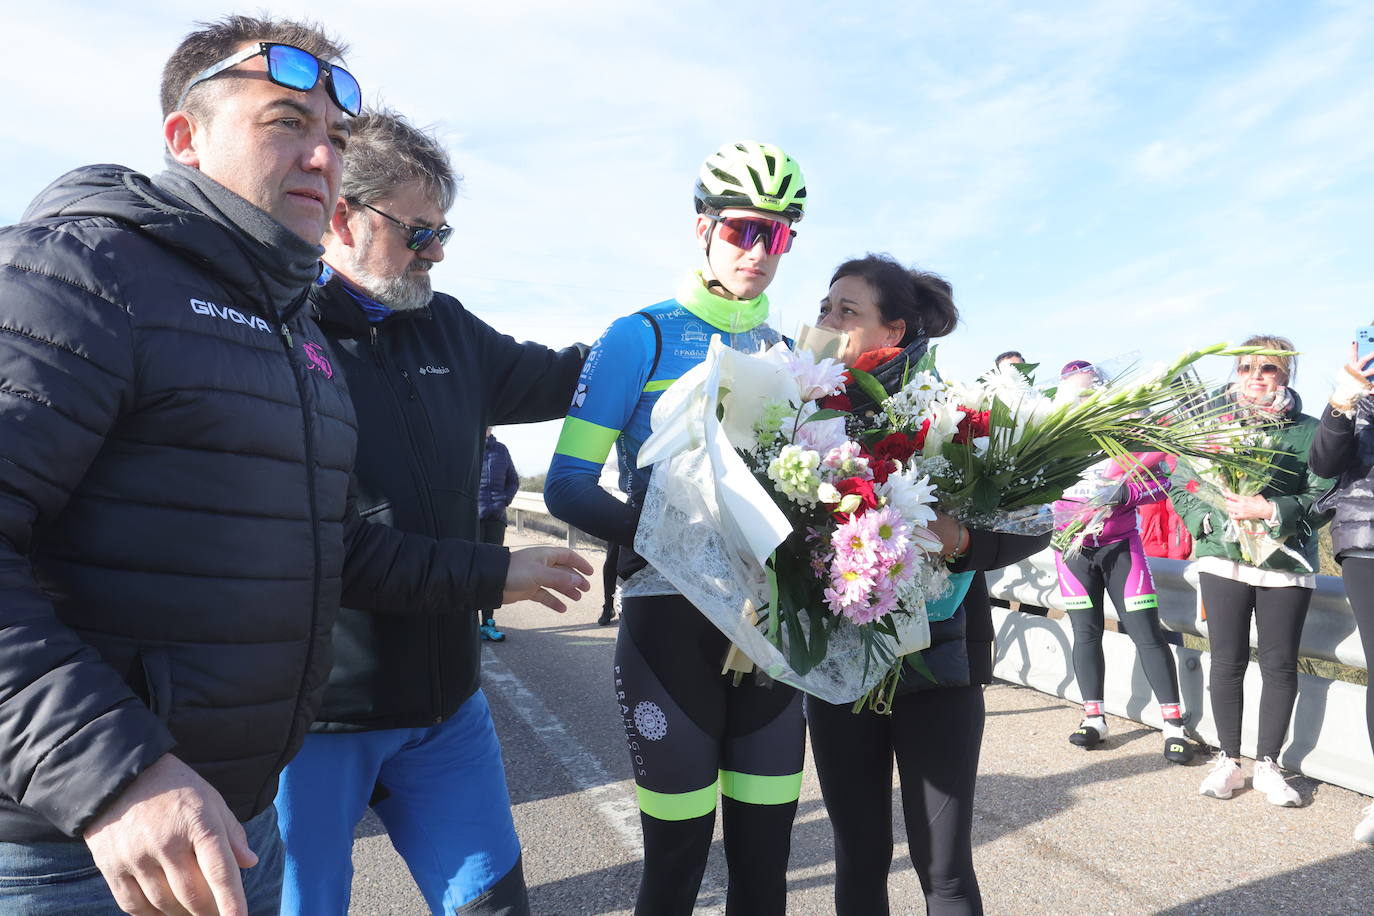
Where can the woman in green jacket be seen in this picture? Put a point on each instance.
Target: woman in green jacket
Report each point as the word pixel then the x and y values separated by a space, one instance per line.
pixel 1276 589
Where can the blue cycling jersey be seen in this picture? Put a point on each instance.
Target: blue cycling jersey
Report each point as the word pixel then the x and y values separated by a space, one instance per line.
pixel 616 395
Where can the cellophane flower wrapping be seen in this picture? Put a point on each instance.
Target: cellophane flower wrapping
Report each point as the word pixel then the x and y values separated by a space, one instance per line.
pixel 741 516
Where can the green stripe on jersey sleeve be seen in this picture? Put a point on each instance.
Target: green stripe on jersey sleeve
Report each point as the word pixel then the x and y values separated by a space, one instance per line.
pixel 586 440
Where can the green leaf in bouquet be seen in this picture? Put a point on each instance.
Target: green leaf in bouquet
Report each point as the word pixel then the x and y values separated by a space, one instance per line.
pixel 986 496
pixel 869 385
pixel 925 364
pixel 918 664
pixel 803 649
pixel 825 414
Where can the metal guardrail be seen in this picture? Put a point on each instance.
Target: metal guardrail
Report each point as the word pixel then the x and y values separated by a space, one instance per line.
pixel 530 512
pixel 1328 739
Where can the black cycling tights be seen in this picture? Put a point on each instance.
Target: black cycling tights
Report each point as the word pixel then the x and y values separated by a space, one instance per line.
pixel 1358 575
pixel 1121 570
pixel 935 736
pixel 1279 614
pixel 689 730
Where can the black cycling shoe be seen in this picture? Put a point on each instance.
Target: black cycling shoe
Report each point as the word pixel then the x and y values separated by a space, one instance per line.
pixel 607 617
pixel 1178 750
pixel 1085 736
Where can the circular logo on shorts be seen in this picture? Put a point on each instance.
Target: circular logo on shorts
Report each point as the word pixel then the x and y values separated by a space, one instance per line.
pixel 650 721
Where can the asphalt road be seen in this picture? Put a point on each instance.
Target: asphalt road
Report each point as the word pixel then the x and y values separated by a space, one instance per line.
pixel 1057 829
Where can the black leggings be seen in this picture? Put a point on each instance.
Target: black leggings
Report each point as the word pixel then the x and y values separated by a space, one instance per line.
pixel 1121 570
pixel 936 736
pixel 1358 575
pixel 1279 615
pixel 690 729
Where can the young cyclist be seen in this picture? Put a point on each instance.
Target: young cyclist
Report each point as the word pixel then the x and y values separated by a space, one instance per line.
pixel 1111 560
pixel 692 731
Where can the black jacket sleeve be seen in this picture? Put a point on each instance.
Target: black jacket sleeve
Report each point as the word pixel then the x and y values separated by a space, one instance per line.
pixel 390 571
pixel 1333 446
pixel 73 734
pixel 527 382
pixel 988 550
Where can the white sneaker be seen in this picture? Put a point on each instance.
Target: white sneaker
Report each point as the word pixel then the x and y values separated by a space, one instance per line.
pixel 1364 830
pixel 1268 779
pixel 1224 778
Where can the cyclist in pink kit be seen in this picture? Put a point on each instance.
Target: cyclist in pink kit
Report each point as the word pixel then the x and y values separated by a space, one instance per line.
pixel 1111 559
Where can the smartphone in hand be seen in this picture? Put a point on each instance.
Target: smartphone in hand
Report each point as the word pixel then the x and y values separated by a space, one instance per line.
pixel 1364 342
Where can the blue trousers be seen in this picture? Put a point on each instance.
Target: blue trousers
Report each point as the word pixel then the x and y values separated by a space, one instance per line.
pixel 60 879
pixel 440 791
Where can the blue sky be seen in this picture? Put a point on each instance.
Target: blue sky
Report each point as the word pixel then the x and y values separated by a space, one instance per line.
pixel 1093 178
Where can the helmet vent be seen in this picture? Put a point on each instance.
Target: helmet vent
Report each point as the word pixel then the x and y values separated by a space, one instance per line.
pixel 727 177
pixel 782 188
pixel 772 164
pixel 758 182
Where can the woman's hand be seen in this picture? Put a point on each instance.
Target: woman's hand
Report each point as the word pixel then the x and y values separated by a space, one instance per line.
pixel 951 532
pixel 1360 368
pixel 1241 508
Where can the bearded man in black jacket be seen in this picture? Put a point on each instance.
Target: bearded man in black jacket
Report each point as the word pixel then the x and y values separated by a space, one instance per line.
pixel 404 725
pixel 176 524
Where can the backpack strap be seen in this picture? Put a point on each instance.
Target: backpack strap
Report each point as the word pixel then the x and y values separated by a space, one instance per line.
pixel 658 343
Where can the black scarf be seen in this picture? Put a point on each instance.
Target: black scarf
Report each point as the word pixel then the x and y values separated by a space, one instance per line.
pixel 285 264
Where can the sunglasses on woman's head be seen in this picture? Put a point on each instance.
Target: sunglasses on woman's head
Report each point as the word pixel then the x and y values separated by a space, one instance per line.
pixel 745 232
pixel 294 69
pixel 1262 368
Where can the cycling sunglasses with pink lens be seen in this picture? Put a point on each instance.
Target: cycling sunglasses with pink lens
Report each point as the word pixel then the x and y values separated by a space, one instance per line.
pixel 745 232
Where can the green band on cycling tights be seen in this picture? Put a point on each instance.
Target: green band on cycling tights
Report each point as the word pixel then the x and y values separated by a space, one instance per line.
pixel 1142 602
pixel 677 806
pixel 1077 603
pixel 760 790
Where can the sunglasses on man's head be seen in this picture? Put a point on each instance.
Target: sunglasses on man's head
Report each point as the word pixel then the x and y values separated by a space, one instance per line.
pixel 419 237
pixel 294 69
pixel 1262 368
pixel 745 232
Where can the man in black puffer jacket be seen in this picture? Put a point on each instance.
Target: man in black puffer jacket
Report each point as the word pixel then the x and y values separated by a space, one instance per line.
pixel 175 514
pixel 404 725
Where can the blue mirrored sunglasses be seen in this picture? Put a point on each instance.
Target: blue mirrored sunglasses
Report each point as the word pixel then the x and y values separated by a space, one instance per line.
pixel 418 237
pixel 294 69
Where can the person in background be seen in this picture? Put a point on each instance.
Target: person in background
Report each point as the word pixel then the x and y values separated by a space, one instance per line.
pixel 497 488
pixel 934 732
pixel 1275 591
pixel 1162 531
pixel 1343 448
pixel 1111 560
pixel 1009 358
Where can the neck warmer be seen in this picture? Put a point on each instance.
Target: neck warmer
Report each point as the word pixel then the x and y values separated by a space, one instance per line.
pixel 729 315
pixel 285 263
pixel 1274 407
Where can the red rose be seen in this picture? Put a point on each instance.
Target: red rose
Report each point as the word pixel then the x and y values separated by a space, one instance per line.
pixel 897 446
pixel 882 468
pixel 922 433
pixel 836 402
pixel 974 425
pixel 864 490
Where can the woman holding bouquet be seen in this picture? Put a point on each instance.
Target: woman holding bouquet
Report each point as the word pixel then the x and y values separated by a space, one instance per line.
pixel 1272 580
pixel 1344 448
pixel 692 731
pixel 935 729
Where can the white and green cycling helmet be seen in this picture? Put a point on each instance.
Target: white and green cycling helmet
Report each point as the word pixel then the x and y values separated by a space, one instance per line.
pixel 752 175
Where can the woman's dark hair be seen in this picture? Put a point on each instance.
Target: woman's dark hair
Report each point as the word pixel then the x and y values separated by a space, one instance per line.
pixel 925 301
